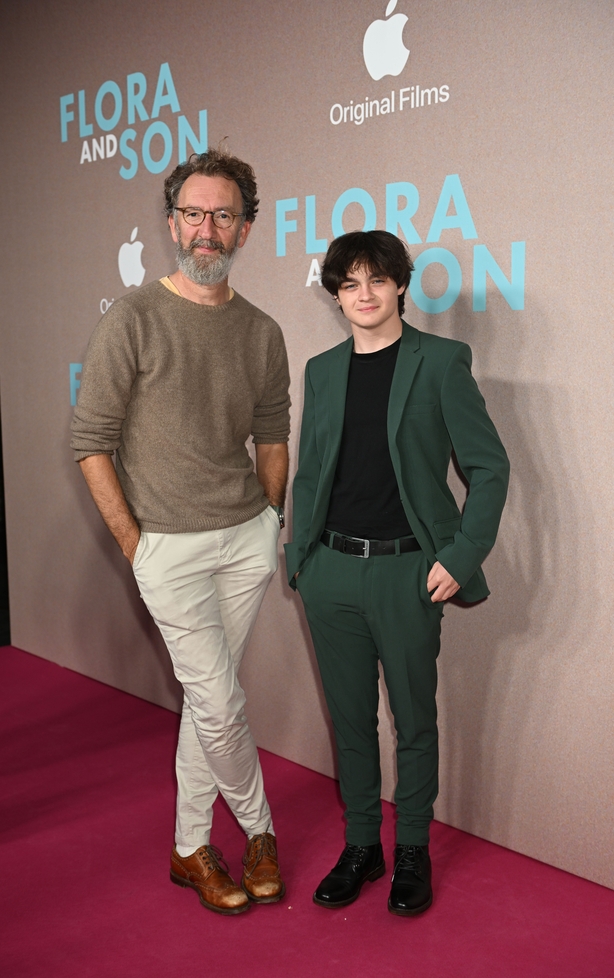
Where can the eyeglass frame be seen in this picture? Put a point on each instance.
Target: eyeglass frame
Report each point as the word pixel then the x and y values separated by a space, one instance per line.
pixel 204 213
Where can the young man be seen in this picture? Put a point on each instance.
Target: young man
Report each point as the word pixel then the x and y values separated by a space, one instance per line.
pixel 379 545
pixel 178 375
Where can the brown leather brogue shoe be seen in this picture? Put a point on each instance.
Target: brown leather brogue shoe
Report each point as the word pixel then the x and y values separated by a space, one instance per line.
pixel 261 879
pixel 206 872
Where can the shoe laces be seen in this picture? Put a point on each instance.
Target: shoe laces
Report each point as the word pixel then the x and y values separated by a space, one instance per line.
pixel 259 846
pixel 212 856
pixel 351 853
pixel 410 858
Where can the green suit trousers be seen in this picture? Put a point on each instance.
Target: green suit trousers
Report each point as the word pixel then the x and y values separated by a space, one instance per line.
pixel 362 612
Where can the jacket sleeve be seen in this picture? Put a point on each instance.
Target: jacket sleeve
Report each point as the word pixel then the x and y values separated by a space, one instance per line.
pixel 483 462
pixel 305 485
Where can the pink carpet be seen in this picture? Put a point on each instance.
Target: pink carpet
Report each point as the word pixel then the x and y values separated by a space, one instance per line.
pixel 86 830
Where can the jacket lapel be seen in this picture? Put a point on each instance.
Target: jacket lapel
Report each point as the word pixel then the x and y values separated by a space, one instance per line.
pixel 407 364
pixel 408 361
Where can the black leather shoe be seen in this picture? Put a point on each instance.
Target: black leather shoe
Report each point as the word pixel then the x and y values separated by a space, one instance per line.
pixel 411 891
pixel 356 865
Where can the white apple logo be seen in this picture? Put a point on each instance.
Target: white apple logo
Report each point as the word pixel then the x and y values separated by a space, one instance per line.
pixel 129 261
pixel 383 48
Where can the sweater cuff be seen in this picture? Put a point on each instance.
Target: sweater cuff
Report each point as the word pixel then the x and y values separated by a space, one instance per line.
pixel 81 454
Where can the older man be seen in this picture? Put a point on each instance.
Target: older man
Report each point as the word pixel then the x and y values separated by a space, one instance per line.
pixel 178 375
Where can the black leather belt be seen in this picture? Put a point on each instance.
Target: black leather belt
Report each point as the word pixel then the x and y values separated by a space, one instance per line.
pixel 357 547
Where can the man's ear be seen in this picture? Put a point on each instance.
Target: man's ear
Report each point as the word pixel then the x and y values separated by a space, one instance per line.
pixel 243 233
pixel 173 230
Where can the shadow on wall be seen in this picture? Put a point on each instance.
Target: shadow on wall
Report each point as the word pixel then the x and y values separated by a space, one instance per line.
pixel 494 655
pixel 291 729
pixel 152 676
pixel 286 708
pixel 107 629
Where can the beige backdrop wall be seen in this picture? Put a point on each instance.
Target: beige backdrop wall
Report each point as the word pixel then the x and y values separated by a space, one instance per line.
pixel 516 142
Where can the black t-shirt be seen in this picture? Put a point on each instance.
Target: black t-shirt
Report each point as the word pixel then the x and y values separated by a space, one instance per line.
pixel 365 500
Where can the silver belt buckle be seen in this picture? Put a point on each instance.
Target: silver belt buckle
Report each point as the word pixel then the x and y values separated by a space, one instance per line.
pixel 365 546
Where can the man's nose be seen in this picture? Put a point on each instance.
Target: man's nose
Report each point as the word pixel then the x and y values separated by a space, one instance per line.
pixel 365 291
pixel 208 226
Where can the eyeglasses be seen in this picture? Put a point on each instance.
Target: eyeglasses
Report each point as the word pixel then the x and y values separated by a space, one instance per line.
pixel 196 215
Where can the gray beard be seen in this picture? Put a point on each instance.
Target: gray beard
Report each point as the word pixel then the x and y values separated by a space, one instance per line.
pixel 205 269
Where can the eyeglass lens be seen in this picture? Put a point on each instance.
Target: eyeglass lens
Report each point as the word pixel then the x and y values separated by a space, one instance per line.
pixel 196 216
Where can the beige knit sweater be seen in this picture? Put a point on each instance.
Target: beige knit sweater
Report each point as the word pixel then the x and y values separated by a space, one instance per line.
pixel 175 389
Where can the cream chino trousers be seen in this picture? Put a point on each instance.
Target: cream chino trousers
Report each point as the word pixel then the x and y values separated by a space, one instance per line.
pixel 204 591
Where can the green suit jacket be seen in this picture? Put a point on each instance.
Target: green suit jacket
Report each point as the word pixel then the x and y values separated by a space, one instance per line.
pixel 435 408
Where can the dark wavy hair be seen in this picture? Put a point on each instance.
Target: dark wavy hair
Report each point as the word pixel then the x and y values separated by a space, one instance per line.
pixel 379 252
pixel 214 163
